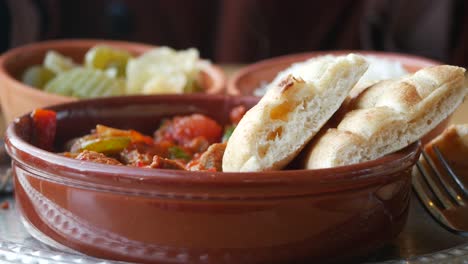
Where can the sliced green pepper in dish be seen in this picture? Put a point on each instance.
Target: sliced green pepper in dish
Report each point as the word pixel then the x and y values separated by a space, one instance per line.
pixel 106 145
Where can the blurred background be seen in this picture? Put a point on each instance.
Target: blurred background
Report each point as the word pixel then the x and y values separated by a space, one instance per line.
pixel 243 31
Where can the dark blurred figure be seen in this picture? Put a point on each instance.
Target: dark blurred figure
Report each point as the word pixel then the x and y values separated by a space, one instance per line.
pixel 176 23
pixel 239 31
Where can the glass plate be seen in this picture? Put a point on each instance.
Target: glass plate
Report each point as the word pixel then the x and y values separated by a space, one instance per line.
pixel 422 241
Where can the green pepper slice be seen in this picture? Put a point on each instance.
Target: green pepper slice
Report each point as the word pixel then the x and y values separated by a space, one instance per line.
pixel 106 145
pixel 227 133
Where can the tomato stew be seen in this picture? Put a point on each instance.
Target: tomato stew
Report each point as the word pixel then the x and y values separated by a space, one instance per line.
pixel 192 142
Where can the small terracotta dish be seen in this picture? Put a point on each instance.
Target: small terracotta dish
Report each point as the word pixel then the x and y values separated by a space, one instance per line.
pixel 169 216
pixel 18 98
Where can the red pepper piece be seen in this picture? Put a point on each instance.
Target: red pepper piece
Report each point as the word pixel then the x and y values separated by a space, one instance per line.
pixel 44 128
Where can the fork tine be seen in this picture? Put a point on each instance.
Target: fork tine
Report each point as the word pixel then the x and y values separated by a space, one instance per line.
pixel 426 194
pixel 446 183
pixel 433 178
pixel 449 170
pixel 454 220
pixel 423 189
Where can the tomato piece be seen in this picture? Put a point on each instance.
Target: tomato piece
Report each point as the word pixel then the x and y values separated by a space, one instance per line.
pixel 44 128
pixel 183 129
pixel 189 127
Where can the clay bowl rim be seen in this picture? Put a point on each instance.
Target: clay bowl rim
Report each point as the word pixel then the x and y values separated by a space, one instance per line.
pixel 215 72
pixel 232 83
pixel 344 177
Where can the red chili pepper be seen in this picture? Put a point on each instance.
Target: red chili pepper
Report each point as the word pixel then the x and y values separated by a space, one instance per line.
pixel 44 128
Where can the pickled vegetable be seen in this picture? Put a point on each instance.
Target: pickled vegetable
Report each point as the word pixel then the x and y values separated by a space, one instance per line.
pixel 108 71
pixel 57 62
pixel 163 70
pixel 192 86
pixel 37 76
pixel 85 83
pixel 160 84
pixel 107 58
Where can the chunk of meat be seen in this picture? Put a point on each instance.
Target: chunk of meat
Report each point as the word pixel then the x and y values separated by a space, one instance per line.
pixel 162 163
pixel 97 157
pixel 211 159
pixel 133 157
pixel 197 145
pixel 140 154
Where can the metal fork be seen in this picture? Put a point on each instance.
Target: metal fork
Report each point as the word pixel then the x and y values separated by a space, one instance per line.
pixel 442 192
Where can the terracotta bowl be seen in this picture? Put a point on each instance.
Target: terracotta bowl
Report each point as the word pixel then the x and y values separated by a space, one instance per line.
pixel 251 77
pixel 169 216
pixel 17 98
